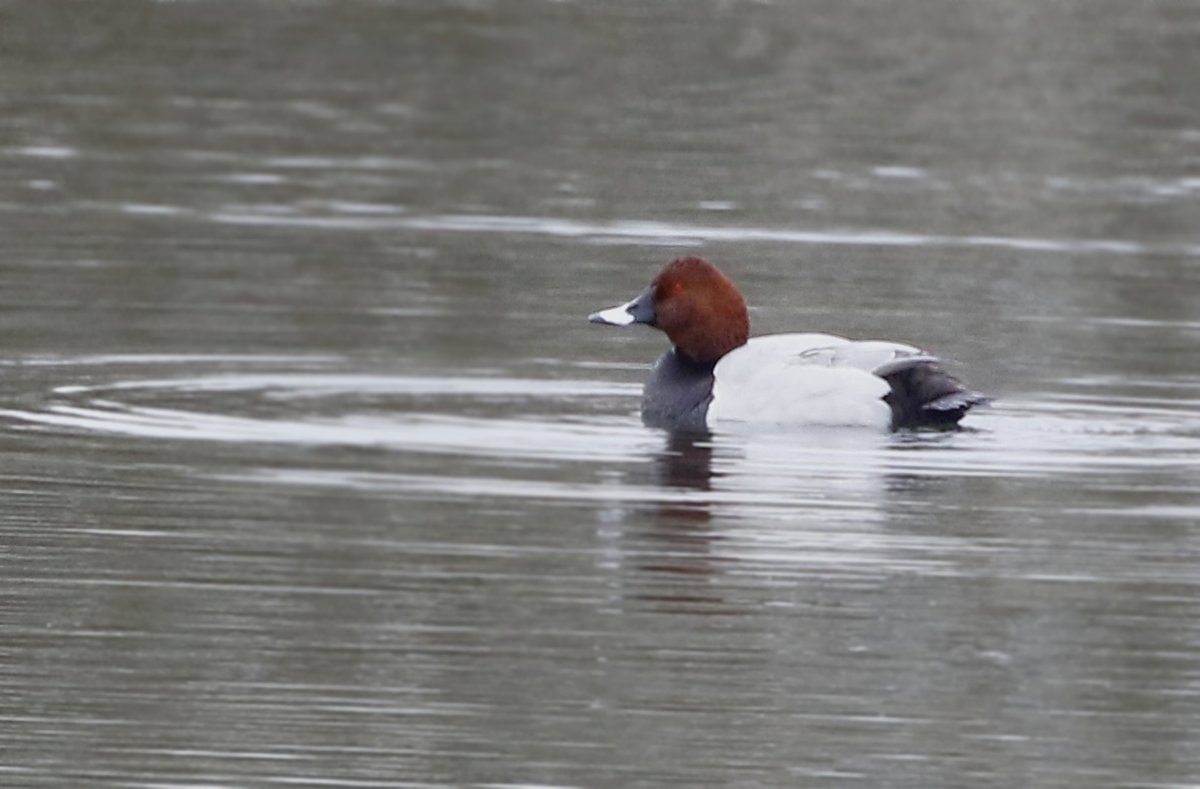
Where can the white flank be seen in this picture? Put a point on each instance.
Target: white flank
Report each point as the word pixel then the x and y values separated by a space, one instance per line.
pixel 805 379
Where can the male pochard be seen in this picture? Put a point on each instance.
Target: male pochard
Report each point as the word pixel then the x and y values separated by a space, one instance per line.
pixel 716 373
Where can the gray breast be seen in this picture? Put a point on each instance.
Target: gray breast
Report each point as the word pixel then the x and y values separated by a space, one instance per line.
pixel 678 393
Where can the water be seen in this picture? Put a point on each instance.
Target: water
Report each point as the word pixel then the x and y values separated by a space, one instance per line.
pixel 315 475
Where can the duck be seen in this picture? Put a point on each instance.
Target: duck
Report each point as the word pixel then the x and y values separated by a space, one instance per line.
pixel 715 375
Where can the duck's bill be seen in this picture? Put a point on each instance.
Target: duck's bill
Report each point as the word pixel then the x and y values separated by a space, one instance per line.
pixel 613 316
pixel 639 310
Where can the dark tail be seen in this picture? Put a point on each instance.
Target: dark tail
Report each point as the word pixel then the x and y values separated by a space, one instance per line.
pixel 925 395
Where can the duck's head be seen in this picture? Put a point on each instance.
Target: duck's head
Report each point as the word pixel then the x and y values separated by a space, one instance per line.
pixel 694 304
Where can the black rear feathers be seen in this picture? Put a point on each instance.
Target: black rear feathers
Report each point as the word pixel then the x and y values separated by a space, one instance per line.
pixel 925 395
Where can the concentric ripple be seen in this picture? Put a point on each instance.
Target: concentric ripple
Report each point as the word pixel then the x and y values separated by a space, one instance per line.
pixel 317 402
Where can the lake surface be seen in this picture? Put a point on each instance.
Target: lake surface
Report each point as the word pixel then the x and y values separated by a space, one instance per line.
pixel 314 473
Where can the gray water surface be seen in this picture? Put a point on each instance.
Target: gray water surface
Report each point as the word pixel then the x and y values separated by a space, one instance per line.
pixel 314 473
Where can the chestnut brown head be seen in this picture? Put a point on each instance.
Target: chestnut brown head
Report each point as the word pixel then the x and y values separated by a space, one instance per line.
pixel 694 304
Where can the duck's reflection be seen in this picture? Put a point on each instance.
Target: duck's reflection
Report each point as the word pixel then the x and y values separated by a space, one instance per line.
pixel 811 502
pixel 719 516
pixel 685 462
pixel 680 533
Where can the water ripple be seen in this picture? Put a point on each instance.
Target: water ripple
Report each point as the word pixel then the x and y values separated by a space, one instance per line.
pixel 594 421
pixel 639 231
pixel 350 216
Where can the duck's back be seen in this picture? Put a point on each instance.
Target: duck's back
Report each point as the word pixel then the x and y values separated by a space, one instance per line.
pixel 807 380
pixel 803 380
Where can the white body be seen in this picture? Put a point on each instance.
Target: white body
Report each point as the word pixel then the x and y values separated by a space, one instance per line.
pixel 806 379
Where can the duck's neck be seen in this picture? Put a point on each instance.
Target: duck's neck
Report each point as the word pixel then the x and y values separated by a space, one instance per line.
pixel 707 347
